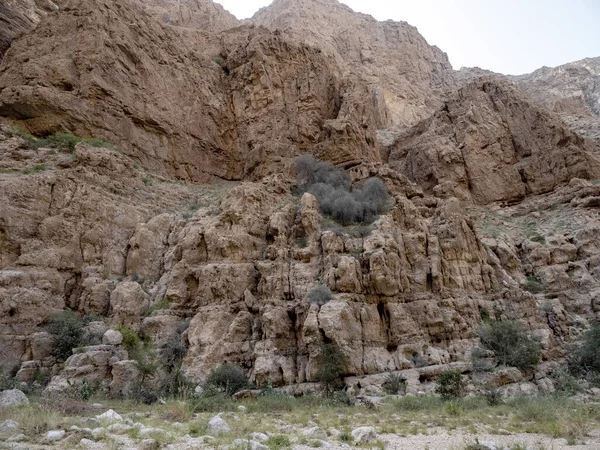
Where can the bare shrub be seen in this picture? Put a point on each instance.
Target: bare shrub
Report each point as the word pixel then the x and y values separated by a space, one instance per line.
pixel 319 295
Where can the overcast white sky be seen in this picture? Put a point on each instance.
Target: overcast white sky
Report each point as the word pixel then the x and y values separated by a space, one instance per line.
pixel 507 36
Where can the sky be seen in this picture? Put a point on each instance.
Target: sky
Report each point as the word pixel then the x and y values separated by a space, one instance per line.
pixel 506 36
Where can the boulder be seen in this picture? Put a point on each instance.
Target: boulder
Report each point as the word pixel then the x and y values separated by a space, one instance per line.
pixel 12 397
pixel 364 435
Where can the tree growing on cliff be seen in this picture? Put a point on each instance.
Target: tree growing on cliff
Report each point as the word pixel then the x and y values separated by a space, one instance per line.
pixel 584 360
pixel 331 187
pixel 510 344
pixel 330 362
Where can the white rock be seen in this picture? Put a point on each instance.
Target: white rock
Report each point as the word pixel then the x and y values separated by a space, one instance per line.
pixel 9 427
pixel 334 432
pixel 319 443
pixel 12 397
pixel 364 435
pixel 112 337
pixel 55 435
pixel 491 445
pixel 17 438
pixel 119 428
pixel 218 425
pixel 89 444
pixel 315 433
pixel 98 432
pixel 260 437
pixel 111 416
pixel 241 408
pixel 249 445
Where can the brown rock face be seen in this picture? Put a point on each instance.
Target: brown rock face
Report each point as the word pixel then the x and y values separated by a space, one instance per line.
pixel 486 213
pixel 18 17
pixel 405 75
pixel 490 143
pixel 572 90
pixel 200 14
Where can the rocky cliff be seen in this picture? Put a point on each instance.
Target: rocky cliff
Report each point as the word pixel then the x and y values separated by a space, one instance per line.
pixel 195 219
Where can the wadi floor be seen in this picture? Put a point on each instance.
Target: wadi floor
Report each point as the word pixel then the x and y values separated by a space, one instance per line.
pixel 282 422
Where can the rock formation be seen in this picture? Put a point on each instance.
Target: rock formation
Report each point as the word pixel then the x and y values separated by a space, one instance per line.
pixel 491 193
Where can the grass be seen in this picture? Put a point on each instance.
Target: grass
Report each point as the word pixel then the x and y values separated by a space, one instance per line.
pixel 35 169
pixel 556 416
pixel 161 304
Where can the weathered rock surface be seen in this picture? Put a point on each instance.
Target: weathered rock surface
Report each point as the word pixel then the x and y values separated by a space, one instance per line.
pixel 18 17
pixel 491 143
pixel 12 397
pixel 489 196
pixel 405 76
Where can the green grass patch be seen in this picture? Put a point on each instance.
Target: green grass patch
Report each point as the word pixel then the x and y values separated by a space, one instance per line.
pixel 61 140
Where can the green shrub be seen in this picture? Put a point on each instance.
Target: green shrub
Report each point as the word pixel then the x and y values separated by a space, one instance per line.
pixel 67 330
pixel 493 397
pixel 584 360
pixel 330 367
pixel 278 442
pixel 319 295
pixel 533 285
pixel 227 379
pixel 510 344
pixel 450 385
pixel 394 384
pixel 61 140
pixel 565 383
pixel 214 403
pixel 35 169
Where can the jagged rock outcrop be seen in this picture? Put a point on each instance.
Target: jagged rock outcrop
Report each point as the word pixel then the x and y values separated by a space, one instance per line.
pixel 187 94
pixel 230 108
pixel 405 75
pixel 491 143
pixel 572 90
pixel 200 14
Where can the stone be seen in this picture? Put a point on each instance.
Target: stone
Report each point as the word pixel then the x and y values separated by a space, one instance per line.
pixel 55 435
pixel 217 425
pixel 12 397
pixel 112 337
pixel 9 427
pixel 364 435
pixel 149 444
pixel 110 416
pixel 260 437
pixel 20 437
pixel 315 432
pixel 249 444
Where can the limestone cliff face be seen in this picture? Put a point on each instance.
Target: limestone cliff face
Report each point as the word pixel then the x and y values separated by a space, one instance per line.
pixel 483 180
pixel 406 76
pixel 572 90
pixel 491 143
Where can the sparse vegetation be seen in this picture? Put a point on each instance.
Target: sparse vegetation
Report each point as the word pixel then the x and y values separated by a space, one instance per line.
pixel 510 344
pixel 61 140
pixel 35 169
pixel 533 285
pixel 331 186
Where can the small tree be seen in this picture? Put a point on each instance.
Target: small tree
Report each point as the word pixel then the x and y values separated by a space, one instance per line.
pixel 585 359
pixel 227 379
pixel 67 330
pixel 510 344
pixel 330 361
pixel 450 384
